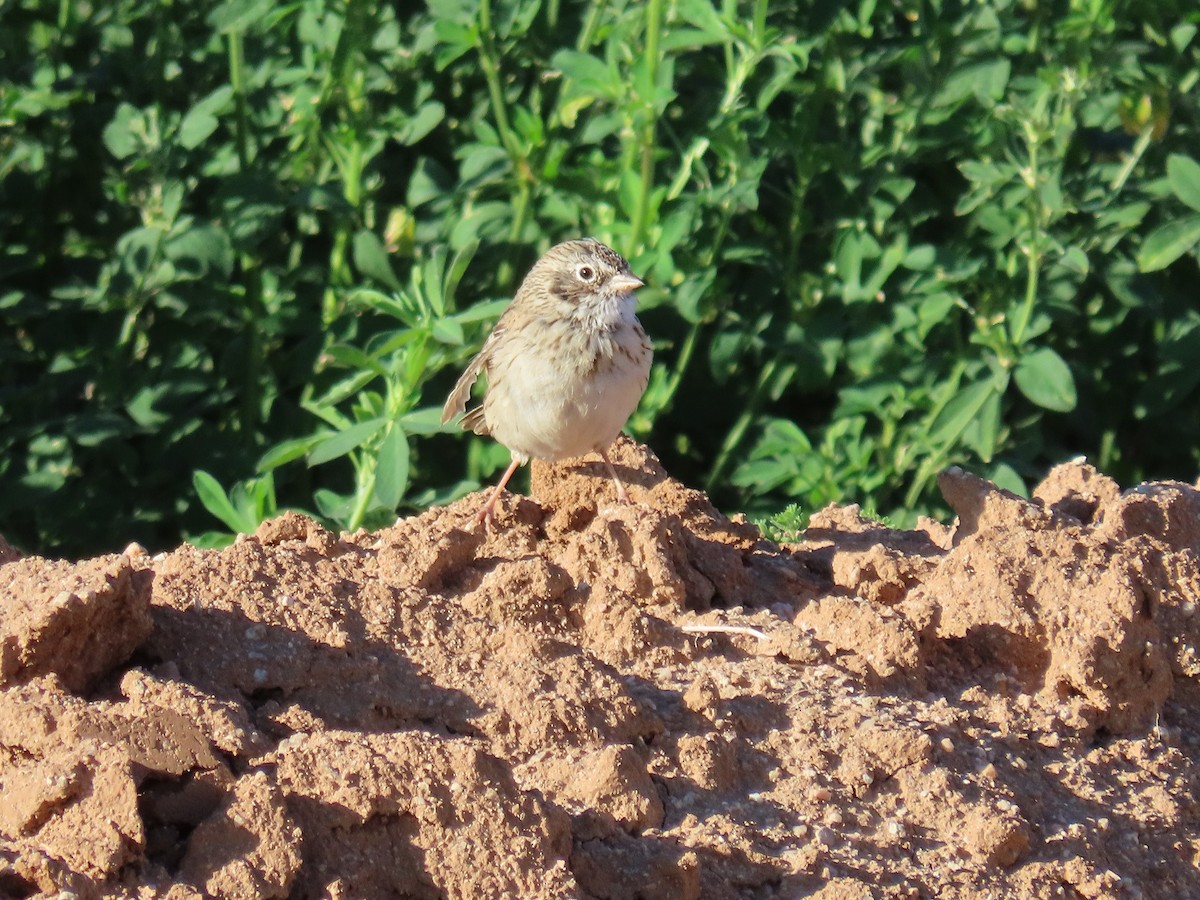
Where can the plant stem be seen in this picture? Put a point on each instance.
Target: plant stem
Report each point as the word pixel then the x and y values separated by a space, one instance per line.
pixel 1034 250
pixel 345 82
pixel 734 437
pixel 682 360
pixel 363 492
pixel 491 72
pixel 490 63
pixel 647 115
pixel 1139 149
pixel 237 82
pixel 760 21
pixel 1032 275
pixel 252 308
pixel 504 273
pixel 587 34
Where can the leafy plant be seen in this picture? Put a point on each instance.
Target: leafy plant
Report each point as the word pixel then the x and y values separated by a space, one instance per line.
pixel 785 526
pixel 258 242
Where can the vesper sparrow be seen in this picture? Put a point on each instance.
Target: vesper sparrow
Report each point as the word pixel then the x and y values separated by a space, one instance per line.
pixel 566 364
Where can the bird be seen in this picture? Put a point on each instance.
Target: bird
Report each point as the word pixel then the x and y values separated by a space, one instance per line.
pixel 566 363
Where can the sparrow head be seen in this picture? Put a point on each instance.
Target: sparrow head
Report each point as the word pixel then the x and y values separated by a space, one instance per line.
pixel 579 271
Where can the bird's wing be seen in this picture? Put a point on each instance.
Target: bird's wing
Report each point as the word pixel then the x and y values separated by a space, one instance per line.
pixel 475 421
pixel 457 401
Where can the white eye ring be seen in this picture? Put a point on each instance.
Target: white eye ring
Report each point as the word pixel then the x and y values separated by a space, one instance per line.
pixel 585 273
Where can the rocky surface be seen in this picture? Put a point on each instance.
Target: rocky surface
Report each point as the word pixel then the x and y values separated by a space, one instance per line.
pixel 606 701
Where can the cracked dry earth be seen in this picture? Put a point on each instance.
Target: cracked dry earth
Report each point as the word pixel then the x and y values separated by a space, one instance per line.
pixel 1002 707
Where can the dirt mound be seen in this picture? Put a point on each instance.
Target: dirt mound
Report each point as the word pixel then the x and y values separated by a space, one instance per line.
pixel 609 701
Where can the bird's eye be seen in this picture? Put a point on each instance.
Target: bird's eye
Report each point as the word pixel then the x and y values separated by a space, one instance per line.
pixel 586 273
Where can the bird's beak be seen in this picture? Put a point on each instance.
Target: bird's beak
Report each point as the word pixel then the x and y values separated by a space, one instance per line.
pixel 625 282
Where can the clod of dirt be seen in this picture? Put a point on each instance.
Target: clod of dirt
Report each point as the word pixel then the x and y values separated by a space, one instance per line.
pixel 77 621
pixel 68 782
pixel 248 847
pixel 1004 705
pixel 1055 605
pixel 1077 490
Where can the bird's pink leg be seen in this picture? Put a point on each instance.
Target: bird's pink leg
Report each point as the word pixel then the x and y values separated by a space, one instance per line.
pixel 487 514
pixel 621 495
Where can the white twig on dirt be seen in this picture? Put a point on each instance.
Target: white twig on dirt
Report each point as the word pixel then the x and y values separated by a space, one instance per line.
pixel 725 629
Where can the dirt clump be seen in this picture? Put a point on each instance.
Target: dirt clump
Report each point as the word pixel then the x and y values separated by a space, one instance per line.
pixel 600 700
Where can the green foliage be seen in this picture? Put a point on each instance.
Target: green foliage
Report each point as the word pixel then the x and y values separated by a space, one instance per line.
pixel 253 244
pixel 786 526
pixel 242 509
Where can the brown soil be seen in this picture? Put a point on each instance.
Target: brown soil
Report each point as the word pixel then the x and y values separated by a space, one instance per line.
pixel 1006 707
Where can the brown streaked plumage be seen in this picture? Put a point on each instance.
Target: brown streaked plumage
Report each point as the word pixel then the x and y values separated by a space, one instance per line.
pixel 566 364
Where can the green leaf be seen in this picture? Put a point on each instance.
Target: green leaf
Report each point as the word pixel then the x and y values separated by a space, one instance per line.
pixel 585 74
pixel 920 257
pixel 423 121
pixel 1183 174
pixel 332 505
pixel 482 312
pixel 934 310
pixel 427 420
pixel 983 434
pixel 371 259
pixel 391 469
pixel 378 301
pixel 449 331
pixel 95 429
pixel 1123 218
pixel 121 133
pixel 213 498
pixel 1005 476
pixel 196 127
pixel 343 442
pixel 1045 379
pixel 286 452
pixel 482 161
pixel 199 252
pixel 1167 243
pixel 255 498
pixel 347 387
pixel 1075 260
pixel 962 410
pixel 237 15
pixel 986 81
pixel 251 208
pixel 210 540
pixel 455 272
pixel 203 118
pixel 848 259
pixel 353 358
pixel 690 39
pixel 143 407
pixel 1181 36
